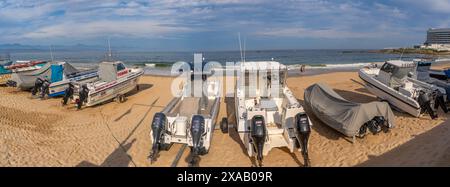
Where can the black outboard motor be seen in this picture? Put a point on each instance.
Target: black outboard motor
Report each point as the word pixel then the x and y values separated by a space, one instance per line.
pixel 303 130
pixel 439 101
pixel 158 127
pixel 258 136
pixel 68 93
pixel 83 94
pixel 37 86
pixel 45 88
pixel 197 130
pixel 425 104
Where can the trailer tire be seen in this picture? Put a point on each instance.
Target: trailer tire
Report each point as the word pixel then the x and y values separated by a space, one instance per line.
pixel 224 125
pixel 120 98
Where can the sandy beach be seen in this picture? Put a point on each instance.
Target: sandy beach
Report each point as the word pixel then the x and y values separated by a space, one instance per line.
pixel 43 133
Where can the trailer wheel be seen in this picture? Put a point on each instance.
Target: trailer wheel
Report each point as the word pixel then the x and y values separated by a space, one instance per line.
pixel 224 125
pixel 120 98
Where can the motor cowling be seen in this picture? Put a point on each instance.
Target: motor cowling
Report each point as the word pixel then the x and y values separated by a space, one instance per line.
pixel 197 131
pixel 83 95
pixel 425 104
pixel 45 88
pixel 303 131
pixel 158 127
pixel 68 93
pixel 37 86
pixel 258 135
pixel 439 101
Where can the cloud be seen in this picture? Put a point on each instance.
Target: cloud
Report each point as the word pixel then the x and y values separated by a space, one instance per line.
pixel 143 29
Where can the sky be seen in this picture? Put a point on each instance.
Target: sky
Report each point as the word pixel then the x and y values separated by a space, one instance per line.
pixel 177 25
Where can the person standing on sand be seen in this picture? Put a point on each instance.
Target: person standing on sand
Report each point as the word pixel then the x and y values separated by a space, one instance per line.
pixel 302 68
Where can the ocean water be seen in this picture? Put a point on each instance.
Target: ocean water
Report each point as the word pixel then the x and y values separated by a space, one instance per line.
pixel 292 58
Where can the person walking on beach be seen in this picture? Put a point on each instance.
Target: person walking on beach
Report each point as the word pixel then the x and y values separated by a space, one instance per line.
pixel 302 68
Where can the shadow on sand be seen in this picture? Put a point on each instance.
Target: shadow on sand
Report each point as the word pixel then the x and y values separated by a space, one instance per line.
pixel 234 135
pixel 118 158
pixel 431 148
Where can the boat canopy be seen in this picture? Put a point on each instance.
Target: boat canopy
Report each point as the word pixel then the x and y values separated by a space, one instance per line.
pixel 107 71
pixel 344 116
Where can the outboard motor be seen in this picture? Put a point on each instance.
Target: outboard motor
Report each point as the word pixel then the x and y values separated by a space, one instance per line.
pixel 197 130
pixel 158 127
pixel 303 130
pixel 425 104
pixel 68 93
pixel 439 101
pixel 11 83
pixel 37 86
pixel 44 88
pixel 83 94
pixel 258 136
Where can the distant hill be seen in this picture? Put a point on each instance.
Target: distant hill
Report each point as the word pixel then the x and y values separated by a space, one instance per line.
pixel 11 48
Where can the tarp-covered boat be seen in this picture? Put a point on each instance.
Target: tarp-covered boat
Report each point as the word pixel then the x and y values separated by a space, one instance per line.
pixel 349 118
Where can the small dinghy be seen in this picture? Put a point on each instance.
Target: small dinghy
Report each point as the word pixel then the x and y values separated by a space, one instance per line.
pixel 349 118
pixel 394 82
pixel 115 80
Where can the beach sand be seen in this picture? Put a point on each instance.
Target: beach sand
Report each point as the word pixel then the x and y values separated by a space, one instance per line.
pixel 43 133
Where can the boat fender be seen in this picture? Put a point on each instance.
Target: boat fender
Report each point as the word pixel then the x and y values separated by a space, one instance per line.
pixel 158 127
pixel 258 135
pixel 425 105
pixel 303 131
pixel 197 131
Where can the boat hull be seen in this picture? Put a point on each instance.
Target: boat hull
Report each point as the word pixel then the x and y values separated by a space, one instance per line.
pixel 58 88
pixel 395 98
pixel 113 89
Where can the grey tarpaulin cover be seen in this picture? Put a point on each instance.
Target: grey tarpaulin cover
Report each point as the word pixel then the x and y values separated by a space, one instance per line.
pixel 344 116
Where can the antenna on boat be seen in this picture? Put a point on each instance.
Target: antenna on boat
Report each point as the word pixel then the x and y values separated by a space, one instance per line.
pixel 51 52
pixel 245 41
pixel 240 46
pixel 109 51
pixel 402 53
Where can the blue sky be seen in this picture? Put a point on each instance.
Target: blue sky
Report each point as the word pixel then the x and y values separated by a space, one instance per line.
pixel 213 25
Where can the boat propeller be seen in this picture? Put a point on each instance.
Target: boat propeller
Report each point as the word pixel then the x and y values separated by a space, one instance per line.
pixel 68 93
pixel 83 94
pixel 158 127
pixel 303 130
pixel 258 136
pixel 37 86
pixel 425 104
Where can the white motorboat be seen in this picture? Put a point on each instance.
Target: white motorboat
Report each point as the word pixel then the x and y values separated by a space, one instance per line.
pixel 267 113
pixel 395 83
pixel 115 80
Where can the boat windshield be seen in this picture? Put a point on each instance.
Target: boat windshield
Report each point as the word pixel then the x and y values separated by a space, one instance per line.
pixel 402 72
pixel 264 83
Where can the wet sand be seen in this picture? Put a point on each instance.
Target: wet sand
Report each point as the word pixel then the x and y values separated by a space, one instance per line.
pixel 43 133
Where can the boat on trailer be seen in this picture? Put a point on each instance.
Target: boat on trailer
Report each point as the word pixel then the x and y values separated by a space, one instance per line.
pixel 188 119
pixel 115 81
pixel 267 113
pixel 395 83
